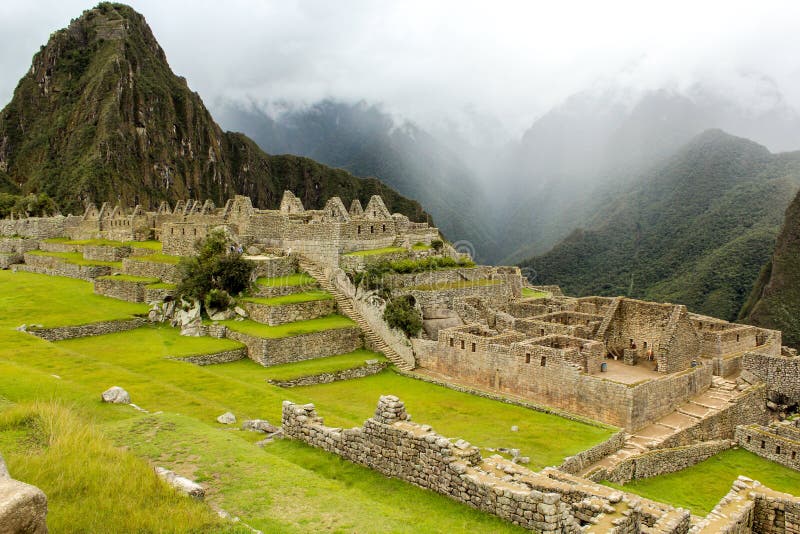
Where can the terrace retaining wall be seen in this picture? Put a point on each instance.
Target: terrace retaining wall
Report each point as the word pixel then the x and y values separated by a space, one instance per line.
pixel 166 272
pixel 214 358
pixel 61 333
pixel 326 378
pixel 121 289
pixel 661 461
pixel 288 313
pixel 273 351
pixel 780 445
pixel 105 252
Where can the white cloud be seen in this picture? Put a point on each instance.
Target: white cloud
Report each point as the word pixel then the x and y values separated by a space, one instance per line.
pixel 427 60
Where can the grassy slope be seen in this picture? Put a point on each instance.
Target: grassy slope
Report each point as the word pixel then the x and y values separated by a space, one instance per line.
pixel 296 279
pixel 290 329
pixel 294 298
pixel 304 490
pixel 377 251
pixel 714 476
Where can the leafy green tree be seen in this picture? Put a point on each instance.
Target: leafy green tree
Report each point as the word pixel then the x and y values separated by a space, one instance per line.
pixel 218 267
pixel 401 313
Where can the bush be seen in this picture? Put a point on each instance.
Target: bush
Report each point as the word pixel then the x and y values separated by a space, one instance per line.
pixel 217 266
pixel 400 313
pixel 437 245
pixel 372 276
pixel 217 299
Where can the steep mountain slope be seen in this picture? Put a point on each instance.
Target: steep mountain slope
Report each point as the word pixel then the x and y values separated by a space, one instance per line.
pixel 366 141
pixel 775 300
pixel 100 116
pixel 696 230
pixel 606 139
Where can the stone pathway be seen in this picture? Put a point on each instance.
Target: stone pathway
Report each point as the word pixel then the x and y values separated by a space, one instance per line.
pixel 346 307
pixel 719 396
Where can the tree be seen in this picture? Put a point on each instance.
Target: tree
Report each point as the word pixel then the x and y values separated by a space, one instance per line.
pixel 401 313
pixel 218 267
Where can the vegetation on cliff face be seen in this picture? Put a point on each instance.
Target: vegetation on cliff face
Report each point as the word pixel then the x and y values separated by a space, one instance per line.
pixel 775 300
pixel 697 232
pixel 100 116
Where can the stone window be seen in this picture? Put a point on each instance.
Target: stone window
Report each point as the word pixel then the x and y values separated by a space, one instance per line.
pixel 383 226
pixel 777 449
pixel 544 361
pixel 462 344
pixel 359 229
pixel 763 444
pixel 372 229
pixel 737 337
pixel 794 455
pixel 541 331
pixel 473 347
pixel 451 341
pixel 374 213
pixel 748 439
pixel 528 358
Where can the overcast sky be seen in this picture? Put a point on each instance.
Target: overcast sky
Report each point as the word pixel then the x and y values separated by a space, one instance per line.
pixel 430 59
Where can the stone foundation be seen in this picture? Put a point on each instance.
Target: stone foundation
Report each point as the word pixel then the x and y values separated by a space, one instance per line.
pixel 288 313
pixel 268 352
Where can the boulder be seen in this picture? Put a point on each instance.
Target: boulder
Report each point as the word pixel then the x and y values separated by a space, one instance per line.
pixel 116 395
pixel 259 425
pixel 23 508
pixel 240 311
pixel 227 418
pixel 3 469
pixel 182 484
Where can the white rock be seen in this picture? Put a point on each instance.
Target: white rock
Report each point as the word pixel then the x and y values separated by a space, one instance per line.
pixel 259 425
pixel 3 469
pixel 23 508
pixel 227 418
pixel 515 428
pixel 240 312
pixel 116 395
pixel 182 484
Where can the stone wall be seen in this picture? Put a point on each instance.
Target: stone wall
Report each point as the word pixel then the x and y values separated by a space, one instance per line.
pixel 18 245
pixel 105 252
pixel 158 294
pixel 359 262
pixel 215 358
pixel 661 461
pixel 288 313
pixel 166 272
pixel 547 502
pixel 59 267
pixel 115 287
pixel 575 464
pixel 270 267
pixel 782 373
pixel 494 295
pixel 38 227
pixel 61 333
pixel 367 369
pixel 298 348
pixel 772 442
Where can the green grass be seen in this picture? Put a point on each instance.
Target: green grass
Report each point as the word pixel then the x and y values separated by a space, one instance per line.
pixel 151 245
pixel 421 246
pixel 162 285
pixel 91 485
pixel 294 298
pixel 130 278
pixel 529 293
pixel 701 486
pixel 58 301
pixel 460 284
pixel 285 487
pixel 481 421
pixel 248 370
pixel 76 258
pixel 253 328
pixel 158 258
pixel 292 280
pixel 376 251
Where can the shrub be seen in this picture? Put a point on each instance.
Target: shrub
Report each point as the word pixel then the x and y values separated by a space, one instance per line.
pixel 217 299
pixel 400 313
pixel 437 245
pixel 217 266
pixel 371 278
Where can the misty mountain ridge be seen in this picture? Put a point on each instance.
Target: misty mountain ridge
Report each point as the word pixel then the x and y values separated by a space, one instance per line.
pixel 100 116
pixel 695 229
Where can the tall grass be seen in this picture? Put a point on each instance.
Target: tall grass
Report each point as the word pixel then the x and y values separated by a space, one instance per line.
pixel 92 486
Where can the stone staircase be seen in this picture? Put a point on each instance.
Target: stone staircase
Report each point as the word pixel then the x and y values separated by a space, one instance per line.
pixel 719 396
pixel 346 307
pixel 609 315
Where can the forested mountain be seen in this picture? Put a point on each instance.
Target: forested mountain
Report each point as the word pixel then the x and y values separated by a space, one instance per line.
pixel 366 141
pixel 100 116
pixel 775 300
pixel 695 229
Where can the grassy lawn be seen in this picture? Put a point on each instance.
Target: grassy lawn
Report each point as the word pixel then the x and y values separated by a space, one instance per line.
pixel 292 280
pixel 460 284
pixel 150 245
pixel 130 278
pixel 58 301
pixel 285 487
pixel 701 486
pixel 249 370
pixel 483 422
pixel 294 298
pixel 253 328
pixel 158 258
pixel 376 251
pixel 421 246
pixel 162 285
pixel 76 258
pixel 529 293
